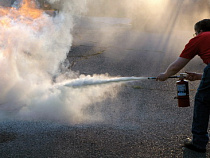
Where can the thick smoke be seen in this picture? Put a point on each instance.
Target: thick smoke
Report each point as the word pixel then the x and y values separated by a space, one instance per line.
pixel 31 54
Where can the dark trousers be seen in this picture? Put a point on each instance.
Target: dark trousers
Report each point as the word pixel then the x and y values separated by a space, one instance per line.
pixel 202 111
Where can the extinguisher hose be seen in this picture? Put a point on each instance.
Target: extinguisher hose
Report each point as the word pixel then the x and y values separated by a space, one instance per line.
pixel 168 77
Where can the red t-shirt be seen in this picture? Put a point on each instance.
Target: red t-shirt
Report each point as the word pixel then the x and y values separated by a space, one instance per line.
pixel 199 45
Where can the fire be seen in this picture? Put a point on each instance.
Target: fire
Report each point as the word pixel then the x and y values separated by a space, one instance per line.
pixel 29 10
pixel 26 13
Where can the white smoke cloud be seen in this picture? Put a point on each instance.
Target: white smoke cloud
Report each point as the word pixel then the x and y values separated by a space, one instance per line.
pixel 30 56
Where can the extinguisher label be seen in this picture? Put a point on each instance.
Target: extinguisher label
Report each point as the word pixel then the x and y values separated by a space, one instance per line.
pixel 181 90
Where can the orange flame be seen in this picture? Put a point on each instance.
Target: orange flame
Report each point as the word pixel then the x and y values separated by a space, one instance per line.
pixel 28 9
pixel 27 12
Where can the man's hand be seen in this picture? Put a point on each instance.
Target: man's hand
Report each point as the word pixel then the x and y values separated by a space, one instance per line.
pixel 173 68
pixel 192 76
pixel 162 77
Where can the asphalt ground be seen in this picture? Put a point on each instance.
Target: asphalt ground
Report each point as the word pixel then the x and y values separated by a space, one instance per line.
pixel 142 121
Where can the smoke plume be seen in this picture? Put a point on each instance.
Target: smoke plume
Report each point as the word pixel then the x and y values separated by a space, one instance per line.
pixel 31 54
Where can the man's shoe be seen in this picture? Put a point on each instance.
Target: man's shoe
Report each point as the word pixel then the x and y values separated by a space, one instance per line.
pixel 188 144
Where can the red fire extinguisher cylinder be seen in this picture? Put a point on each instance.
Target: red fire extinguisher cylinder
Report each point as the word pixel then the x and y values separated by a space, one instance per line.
pixel 182 92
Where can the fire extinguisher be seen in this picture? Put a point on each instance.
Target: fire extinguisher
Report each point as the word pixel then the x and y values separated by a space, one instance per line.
pixel 182 92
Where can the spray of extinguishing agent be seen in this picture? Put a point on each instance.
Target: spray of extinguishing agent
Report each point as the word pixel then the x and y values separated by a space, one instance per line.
pixel 181 84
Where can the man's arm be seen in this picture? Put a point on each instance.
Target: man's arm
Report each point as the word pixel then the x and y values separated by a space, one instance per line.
pixel 173 68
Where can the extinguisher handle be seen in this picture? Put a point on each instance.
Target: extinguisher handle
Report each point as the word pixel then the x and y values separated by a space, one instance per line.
pixel 174 76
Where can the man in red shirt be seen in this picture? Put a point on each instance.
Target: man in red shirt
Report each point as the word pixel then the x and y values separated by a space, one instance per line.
pixel 199 45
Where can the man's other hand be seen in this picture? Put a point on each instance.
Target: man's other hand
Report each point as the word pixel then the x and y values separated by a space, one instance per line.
pixel 193 76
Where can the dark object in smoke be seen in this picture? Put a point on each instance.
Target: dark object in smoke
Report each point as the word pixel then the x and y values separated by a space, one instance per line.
pixel 43 4
pixel 48 9
pixel 51 12
pixel 7 137
pixel 6 3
